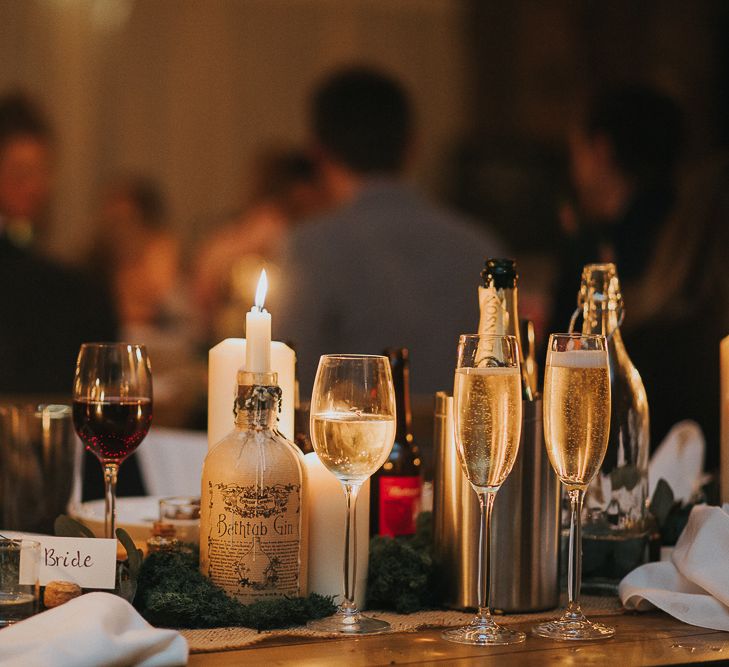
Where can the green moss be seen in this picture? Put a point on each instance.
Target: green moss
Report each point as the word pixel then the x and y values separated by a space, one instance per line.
pixel 173 593
pixel 401 571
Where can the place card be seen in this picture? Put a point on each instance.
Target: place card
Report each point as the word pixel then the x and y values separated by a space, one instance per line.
pixel 90 563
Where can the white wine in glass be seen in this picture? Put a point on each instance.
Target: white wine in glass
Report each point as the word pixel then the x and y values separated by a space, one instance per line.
pixel 576 429
pixel 352 430
pixel 352 446
pixel 487 415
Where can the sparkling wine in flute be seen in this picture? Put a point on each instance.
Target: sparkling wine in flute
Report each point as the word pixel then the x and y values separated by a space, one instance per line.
pixel 352 446
pixel 577 414
pixel 576 427
pixel 488 403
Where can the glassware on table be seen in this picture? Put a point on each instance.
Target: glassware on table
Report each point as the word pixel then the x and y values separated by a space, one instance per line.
pixel 576 428
pixel 352 430
pixel 19 585
pixel 112 408
pixel 40 466
pixel 615 531
pixel 183 513
pixel 487 415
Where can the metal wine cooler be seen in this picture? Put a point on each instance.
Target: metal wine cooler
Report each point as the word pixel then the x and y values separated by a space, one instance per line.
pixel 525 522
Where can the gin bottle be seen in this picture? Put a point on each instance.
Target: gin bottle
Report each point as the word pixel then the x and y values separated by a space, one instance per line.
pixel 615 526
pixel 253 523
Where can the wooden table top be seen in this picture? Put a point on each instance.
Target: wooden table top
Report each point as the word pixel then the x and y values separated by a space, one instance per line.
pixel 640 639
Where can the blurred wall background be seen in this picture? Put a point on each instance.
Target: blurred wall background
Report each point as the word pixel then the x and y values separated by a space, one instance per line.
pixel 188 90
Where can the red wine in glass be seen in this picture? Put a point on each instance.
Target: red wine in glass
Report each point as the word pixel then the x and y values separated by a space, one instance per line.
pixel 112 429
pixel 112 408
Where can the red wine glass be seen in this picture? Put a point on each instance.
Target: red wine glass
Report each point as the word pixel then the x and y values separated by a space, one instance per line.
pixel 112 409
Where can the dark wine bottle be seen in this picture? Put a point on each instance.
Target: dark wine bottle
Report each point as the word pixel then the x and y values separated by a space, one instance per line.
pixel 498 303
pixel 395 489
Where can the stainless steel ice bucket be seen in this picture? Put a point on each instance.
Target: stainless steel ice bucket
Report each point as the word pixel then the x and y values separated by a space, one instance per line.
pixel 40 464
pixel 525 522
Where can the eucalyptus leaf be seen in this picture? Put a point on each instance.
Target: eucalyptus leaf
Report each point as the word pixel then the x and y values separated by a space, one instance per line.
pixel 662 501
pixel 625 477
pixel 134 555
pixel 65 526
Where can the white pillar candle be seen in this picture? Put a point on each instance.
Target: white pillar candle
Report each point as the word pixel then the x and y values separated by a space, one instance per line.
pixel 258 331
pixel 327 510
pixel 724 469
pixel 224 362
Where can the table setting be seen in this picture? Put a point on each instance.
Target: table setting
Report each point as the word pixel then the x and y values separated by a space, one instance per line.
pixel 543 539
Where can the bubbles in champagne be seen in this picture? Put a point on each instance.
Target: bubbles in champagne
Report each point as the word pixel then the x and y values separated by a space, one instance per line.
pixel 488 423
pixel 576 414
pixel 352 445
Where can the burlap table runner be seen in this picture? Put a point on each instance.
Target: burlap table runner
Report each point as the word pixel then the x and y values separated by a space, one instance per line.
pixel 221 639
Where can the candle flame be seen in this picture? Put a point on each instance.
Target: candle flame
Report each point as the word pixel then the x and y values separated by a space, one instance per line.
pixel 261 290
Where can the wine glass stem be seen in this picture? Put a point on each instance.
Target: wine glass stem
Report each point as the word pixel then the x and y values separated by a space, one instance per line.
pixel 486 503
pixel 350 546
pixel 110 474
pixel 577 497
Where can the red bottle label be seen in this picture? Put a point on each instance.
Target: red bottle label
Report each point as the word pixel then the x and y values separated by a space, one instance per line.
pixel 399 505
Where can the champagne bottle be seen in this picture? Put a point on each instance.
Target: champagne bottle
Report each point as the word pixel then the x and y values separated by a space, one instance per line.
pixel 253 520
pixel 498 302
pixel 615 521
pixel 395 489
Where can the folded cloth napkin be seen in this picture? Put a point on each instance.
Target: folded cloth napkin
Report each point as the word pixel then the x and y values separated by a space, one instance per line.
pixel 694 586
pixel 679 460
pixel 90 631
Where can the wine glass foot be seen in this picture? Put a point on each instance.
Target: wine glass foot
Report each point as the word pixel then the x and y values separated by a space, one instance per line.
pixel 573 628
pixel 483 633
pixel 349 624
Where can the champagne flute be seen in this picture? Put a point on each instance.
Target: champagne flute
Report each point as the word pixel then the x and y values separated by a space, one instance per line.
pixel 487 414
pixel 576 429
pixel 352 430
pixel 112 409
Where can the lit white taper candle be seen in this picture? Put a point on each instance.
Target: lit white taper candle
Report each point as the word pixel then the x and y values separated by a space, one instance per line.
pixel 258 332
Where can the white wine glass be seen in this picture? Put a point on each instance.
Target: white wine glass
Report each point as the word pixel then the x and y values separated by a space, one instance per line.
pixel 487 415
pixel 352 430
pixel 576 429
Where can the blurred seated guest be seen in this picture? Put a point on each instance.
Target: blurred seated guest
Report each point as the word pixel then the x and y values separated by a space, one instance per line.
pixel 138 255
pixel 25 169
pixel 387 266
pixel 135 251
pixel 46 310
pixel 679 311
pixel 623 155
pixel 227 267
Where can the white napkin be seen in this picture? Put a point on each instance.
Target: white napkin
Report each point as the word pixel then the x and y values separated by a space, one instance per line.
pixel 92 630
pixel 679 459
pixel 694 585
pixel 171 461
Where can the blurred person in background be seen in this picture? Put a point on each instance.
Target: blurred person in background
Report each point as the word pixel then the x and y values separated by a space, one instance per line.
pixel 624 154
pixel 225 272
pixel 46 310
pixel 138 255
pixel 386 267
pixel 25 169
pixel 679 311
